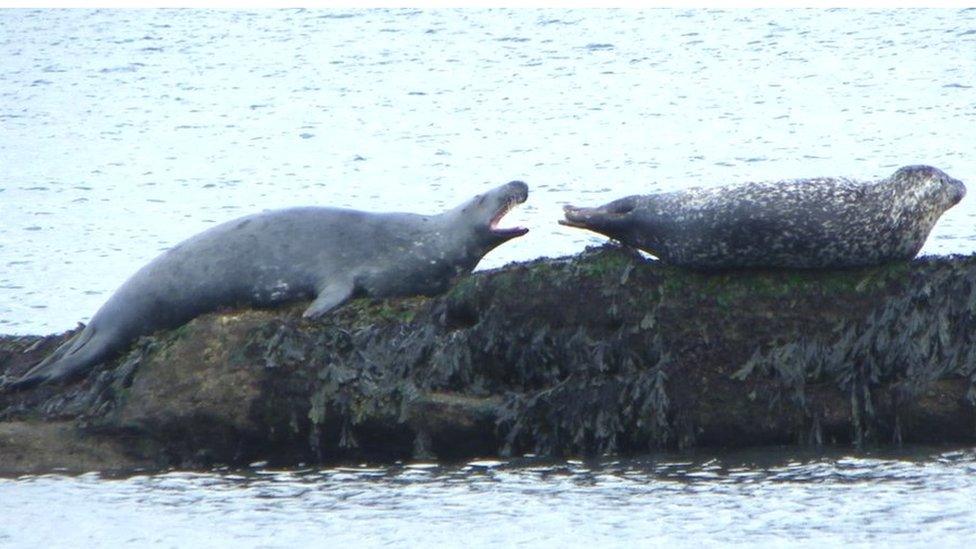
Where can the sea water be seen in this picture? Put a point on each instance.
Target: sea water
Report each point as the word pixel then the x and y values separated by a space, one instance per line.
pixel 123 132
pixel 912 497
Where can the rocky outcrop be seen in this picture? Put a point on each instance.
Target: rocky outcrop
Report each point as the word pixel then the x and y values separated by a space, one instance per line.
pixel 605 352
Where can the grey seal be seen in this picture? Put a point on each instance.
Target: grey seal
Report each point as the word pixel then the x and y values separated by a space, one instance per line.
pixel 274 257
pixel 802 223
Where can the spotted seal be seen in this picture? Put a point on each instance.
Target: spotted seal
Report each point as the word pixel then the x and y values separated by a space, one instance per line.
pixel 274 257
pixel 802 223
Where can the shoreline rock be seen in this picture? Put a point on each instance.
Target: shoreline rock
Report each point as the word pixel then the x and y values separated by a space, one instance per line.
pixel 600 353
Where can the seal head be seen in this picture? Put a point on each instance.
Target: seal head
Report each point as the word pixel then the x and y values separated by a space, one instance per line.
pixel 933 186
pixel 482 214
pixel 615 219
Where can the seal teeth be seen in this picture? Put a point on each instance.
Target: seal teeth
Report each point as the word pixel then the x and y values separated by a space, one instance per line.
pixel 506 207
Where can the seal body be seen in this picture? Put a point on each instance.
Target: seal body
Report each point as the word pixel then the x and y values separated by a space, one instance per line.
pixel 270 258
pixel 803 223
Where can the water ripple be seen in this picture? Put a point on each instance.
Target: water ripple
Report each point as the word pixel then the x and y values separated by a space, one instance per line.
pixel 416 110
pixel 916 496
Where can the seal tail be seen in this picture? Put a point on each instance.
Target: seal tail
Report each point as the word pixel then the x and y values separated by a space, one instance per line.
pixel 72 358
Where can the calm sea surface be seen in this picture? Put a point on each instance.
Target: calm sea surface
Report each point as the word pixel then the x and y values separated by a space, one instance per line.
pixel 124 132
pixel 917 497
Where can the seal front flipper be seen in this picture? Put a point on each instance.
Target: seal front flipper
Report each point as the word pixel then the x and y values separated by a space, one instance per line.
pixel 331 296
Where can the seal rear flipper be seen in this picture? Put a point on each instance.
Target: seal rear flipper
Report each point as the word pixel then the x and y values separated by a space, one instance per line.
pixel 331 296
pixel 72 358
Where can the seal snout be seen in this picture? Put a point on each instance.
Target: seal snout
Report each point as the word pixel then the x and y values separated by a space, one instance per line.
pixel 608 214
pixel 576 217
pixel 958 191
pixel 519 190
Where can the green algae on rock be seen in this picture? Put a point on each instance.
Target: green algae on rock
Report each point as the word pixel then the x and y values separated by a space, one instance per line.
pixel 600 353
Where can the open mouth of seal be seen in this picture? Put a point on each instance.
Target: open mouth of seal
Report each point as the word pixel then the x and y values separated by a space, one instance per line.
pixel 584 217
pixel 496 219
pixel 575 217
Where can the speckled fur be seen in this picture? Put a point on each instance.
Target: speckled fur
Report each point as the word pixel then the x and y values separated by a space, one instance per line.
pixel 802 223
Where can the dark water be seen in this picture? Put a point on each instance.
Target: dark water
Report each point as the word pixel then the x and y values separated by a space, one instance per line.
pixel 916 497
pixel 123 132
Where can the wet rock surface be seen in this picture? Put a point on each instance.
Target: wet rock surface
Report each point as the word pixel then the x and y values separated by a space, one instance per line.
pixel 604 352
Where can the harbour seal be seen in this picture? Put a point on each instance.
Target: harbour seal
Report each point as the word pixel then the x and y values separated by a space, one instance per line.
pixel 803 223
pixel 286 255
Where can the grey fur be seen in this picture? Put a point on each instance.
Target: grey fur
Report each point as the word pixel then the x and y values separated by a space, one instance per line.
pixel 802 223
pixel 286 255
